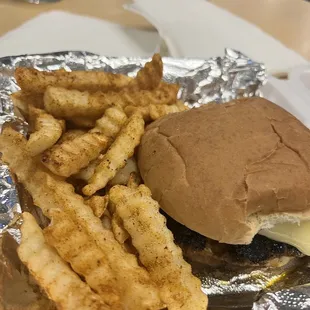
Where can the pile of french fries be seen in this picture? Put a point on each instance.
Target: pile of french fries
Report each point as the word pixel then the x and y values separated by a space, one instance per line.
pixel 107 246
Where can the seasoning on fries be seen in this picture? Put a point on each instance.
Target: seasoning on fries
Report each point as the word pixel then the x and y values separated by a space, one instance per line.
pixel 71 103
pixel 150 76
pixel 111 122
pixel 86 127
pixel 77 248
pixel 119 231
pixel 49 192
pixel 60 283
pixel 69 157
pixel 70 135
pixel 98 204
pixel 117 155
pixel 47 131
pixel 147 228
pixel 36 82
pixel 153 112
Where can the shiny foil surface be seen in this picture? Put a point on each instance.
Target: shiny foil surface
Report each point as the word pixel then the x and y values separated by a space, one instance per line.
pixel 219 79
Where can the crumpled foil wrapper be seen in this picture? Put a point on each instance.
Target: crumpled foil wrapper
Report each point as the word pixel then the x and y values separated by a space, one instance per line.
pixel 218 79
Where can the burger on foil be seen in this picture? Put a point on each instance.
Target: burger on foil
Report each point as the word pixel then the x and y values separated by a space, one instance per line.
pixel 234 181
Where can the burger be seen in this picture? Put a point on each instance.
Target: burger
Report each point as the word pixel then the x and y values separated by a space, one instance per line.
pixel 233 180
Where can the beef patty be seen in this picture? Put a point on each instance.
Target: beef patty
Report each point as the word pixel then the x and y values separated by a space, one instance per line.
pixel 262 251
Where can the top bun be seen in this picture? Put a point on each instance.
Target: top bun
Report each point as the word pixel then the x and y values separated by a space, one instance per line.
pixel 228 170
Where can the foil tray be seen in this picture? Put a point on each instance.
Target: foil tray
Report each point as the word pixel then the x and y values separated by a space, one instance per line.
pixel 218 79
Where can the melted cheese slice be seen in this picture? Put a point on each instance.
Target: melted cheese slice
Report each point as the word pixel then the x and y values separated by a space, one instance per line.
pixel 297 235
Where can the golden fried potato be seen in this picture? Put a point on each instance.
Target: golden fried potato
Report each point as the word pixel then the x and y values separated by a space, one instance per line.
pixel 33 81
pixel 78 249
pixel 150 76
pixel 98 204
pixel 82 122
pixel 153 112
pixel 87 172
pixel 123 175
pixel 157 251
pixel 117 155
pixel 60 283
pixel 71 156
pixel 143 111
pixel 20 104
pixel 71 135
pixel 111 122
pixel 49 191
pixel 158 111
pixel 120 233
pixel 165 94
pixel 47 131
pixel 106 220
pixel 22 100
pixel 68 104
pixel 134 180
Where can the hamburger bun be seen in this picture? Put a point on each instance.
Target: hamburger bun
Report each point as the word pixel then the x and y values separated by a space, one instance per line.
pixel 228 170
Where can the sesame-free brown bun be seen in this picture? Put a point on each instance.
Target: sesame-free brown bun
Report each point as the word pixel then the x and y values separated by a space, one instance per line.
pixel 228 170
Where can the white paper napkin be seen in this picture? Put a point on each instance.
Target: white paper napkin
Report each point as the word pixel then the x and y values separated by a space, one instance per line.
pixel 61 31
pixel 197 28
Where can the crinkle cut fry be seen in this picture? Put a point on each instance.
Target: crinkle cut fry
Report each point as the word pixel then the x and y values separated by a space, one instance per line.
pixel 83 122
pixel 120 233
pixel 47 131
pixel 163 94
pixel 115 159
pixel 87 172
pixel 153 112
pixel 75 247
pixel 33 81
pixel 111 122
pixel 60 283
pixel 70 135
pixel 49 191
pixel 70 104
pixel 98 204
pixel 71 156
pixel 143 111
pixel 150 76
pixel 157 251
pixel 109 125
pixel 123 175
pixel 22 100
pixel 134 180
pixel 159 111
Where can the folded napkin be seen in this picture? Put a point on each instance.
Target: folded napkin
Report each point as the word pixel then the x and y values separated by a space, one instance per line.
pixel 60 31
pixel 197 28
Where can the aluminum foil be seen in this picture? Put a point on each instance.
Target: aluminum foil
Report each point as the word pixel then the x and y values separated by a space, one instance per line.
pixel 296 298
pixel 219 79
